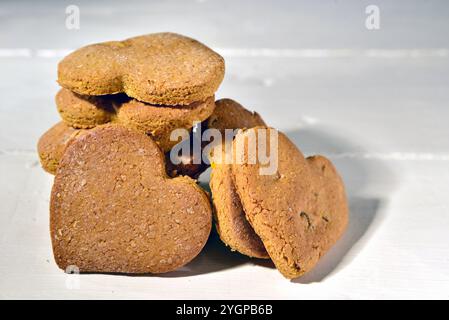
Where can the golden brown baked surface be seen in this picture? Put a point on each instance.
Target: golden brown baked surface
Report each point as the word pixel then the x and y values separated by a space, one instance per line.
pixel 230 221
pixel 230 114
pixel 299 212
pixel 159 121
pixel 186 163
pixel 159 68
pixel 83 111
pixel 113 208
pixel 51 145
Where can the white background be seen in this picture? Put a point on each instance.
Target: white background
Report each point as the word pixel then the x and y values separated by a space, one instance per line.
pixel 375 102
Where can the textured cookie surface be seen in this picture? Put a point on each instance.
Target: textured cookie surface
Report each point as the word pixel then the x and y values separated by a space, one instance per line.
pixel 113 209
pixel 83 111
pixel 230 220
pixel 160 68
pixel 159 121
pixel 52 144
pixel 185 167
pixel 299 212
pixel 229 114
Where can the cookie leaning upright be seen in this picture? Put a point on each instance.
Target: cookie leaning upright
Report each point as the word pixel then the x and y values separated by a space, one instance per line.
pixel 113 208
pixel 299 211
pixel 160 68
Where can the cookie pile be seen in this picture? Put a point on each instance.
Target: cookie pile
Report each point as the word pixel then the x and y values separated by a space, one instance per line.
pixel 118 203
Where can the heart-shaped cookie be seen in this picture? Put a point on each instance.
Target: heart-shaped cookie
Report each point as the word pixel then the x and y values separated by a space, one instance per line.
pixel 300 211
pixel 159 68
pixel 113 208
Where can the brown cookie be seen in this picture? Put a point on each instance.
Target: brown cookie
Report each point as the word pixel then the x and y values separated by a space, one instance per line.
pixel 230 221
pixel 83 111
pixel 159 68
pixel 299 212
pixel 52 144
pixel 185 165
pixel 160 121
pixel 189 163
pixel 114 210
pixel 185 168
pixel 229 114
pixel 231 224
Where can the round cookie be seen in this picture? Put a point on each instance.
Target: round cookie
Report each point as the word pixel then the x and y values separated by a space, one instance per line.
pixel 114 210
pixel 230 221
pixel 299 212
pixel 159 68
pixel 229 114
pixel 51 145
pixel 83 111
pixel 160 121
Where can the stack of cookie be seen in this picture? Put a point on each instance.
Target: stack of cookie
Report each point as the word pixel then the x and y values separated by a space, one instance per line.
pixel 154 84
pixel 118 203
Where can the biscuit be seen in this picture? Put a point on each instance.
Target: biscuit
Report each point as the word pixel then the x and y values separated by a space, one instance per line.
pixel 156 120
pixel 52 143
pixel 188 162
pixel 299 212
pixel 83 111
pixel 114 210
pixel 186 168
pixel 230 221
pixel 229 114
pixel 159 68
pixel 160 121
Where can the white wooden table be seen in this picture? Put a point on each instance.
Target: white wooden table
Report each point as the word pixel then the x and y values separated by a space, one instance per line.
pixel 375 101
